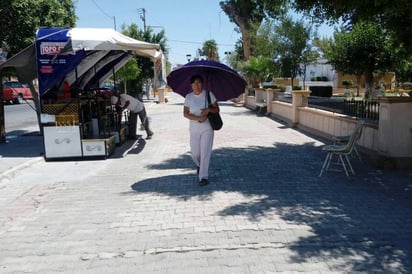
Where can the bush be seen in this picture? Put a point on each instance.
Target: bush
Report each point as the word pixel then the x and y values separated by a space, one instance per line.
pixel 320 78
pixel 321 91
pixel 347 83
pixel 270 86
pixel 407 85
pixel 297 88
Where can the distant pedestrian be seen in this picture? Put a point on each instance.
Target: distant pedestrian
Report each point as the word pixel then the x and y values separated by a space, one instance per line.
pixel 135 107
pixel 196 108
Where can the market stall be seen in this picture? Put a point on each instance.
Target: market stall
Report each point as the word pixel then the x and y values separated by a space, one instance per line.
pixel 77 117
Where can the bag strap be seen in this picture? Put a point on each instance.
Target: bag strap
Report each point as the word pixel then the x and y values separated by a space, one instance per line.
pixel 207 100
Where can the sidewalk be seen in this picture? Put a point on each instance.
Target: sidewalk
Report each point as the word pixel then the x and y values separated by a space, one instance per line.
pixel 264 211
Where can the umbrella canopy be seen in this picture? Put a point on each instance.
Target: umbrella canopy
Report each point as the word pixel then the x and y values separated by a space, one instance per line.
pixel 224 82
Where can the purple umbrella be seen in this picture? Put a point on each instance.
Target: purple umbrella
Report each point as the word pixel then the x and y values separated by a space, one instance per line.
pixel 224 82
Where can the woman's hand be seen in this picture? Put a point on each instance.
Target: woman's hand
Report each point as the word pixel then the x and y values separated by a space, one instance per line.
pixel 202 118
pixel 205 111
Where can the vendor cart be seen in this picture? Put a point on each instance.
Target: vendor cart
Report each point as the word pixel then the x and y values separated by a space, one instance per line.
pixel 77 118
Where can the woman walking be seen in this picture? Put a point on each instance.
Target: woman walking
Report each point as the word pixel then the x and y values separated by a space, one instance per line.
pixel 196 109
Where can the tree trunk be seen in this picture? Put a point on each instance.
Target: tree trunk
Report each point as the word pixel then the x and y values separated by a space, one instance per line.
pixel 368 84
pixel 358 77
pixel 246 43
pixel 243 23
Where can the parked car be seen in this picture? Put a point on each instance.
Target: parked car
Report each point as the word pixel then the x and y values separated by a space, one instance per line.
pixel 16 92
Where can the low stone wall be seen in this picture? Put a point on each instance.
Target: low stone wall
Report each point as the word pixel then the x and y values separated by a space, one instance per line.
pixel 282 111
pixel 250 102
pixel 388 144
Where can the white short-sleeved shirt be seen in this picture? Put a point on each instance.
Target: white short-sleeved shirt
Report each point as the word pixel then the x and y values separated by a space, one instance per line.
pixel 196 103
pixel 134 106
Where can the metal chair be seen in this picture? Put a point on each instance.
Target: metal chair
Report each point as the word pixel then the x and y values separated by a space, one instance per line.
pixel 342 151
pixel 343 139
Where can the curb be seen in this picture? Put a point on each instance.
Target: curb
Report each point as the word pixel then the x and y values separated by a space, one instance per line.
pixel 11 172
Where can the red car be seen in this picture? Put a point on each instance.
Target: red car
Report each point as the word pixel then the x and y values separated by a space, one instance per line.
pixel 16 92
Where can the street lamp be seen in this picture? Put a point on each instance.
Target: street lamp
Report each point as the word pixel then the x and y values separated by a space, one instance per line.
pixel 227 54
pixel 188 57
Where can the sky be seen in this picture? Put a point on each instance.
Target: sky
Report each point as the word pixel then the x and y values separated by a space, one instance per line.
pixel 187 23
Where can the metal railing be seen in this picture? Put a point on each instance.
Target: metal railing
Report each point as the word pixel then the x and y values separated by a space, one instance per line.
pixel 368 110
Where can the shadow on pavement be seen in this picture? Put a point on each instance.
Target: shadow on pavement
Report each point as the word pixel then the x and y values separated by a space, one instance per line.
pixel 367 219
pixel 21 143
pixel 129 147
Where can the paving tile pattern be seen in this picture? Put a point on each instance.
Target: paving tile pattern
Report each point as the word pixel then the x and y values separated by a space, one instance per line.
pixel 265 210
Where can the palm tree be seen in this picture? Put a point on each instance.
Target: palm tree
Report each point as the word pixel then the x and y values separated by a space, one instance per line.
pixel 210 50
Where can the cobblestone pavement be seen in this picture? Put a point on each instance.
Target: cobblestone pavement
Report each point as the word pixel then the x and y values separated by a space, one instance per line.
pixel 265 210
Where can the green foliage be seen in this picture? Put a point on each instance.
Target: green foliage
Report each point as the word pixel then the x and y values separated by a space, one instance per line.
pixel 19 20
pixel 270 86
pixel 257 69
pixel 129 71
pixel 282 88
pixel 248 15
pixel 143 63
pixel 293 46
pixel 210 50
pixel 403 68
pixel 393 16
pixel 322 45
pixel 347 83
pixel 265 42
pixel 362 51
pixel 407 85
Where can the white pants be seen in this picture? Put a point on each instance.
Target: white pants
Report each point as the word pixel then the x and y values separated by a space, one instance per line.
pixel 201 143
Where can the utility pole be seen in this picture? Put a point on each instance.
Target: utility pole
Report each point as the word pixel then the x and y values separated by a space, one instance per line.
pixel 114 21
pixel 142 13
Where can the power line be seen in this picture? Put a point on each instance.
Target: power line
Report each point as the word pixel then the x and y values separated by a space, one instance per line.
pixel 198 43
pixel 105 13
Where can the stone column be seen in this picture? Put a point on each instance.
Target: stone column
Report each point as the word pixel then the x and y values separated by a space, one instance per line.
pixel 395 131
pixel 271 94
pixel 299 99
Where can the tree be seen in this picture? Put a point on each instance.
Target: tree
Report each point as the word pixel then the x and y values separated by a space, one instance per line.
pixel 309 56
pixel 210 50
pixel 322 45
pixel 393 16
pixel 266 40
pixel 248 15
pixel 364 50
pixel 403 68
pixel 19 20
pixel 257 69
pixel 294 48
pixel 145 64
pixel 129 71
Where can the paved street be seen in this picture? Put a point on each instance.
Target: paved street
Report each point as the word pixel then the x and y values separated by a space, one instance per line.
pixel 265 210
